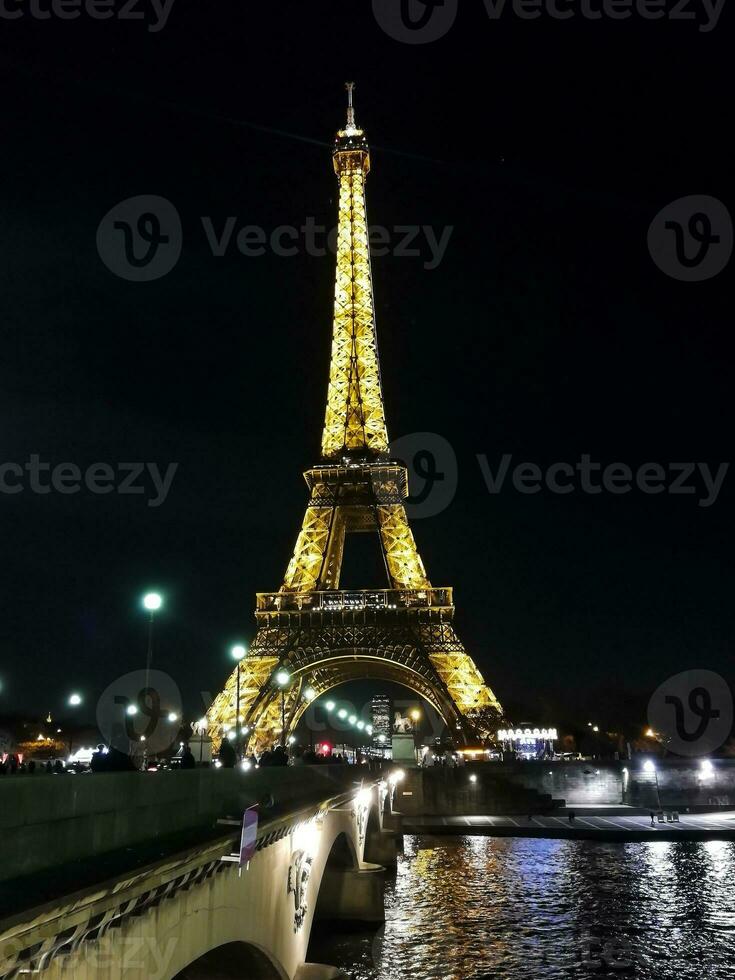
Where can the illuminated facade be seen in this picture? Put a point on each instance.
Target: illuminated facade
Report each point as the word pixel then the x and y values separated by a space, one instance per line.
pixel 323 635
pixel 528 742
pixel 381 711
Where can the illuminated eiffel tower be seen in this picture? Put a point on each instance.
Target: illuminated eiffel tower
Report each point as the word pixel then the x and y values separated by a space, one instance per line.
pixel 317 633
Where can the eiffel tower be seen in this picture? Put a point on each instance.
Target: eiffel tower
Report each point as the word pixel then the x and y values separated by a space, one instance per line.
pixel 318 634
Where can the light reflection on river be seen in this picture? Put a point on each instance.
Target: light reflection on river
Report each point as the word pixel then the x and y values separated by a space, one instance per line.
pixel 476 908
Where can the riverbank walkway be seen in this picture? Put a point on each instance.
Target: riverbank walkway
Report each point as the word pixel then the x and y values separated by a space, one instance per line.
pixel 588 823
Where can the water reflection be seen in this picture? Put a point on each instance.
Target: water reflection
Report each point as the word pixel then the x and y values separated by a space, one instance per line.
pixel 475 908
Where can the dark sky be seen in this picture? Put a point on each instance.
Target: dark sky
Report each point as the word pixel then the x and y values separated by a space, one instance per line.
pixel 546 332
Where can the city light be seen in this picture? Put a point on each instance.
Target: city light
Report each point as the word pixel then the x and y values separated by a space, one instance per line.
pixel 246 764
pixel 75 700
pixel 397 776
pixel 172 717
pixel 131 710
pixel 648 766
pixel 291 739
pixel 238 651
pixel 152 601
pixel 282 678
pixel 473 778
pixel 706 767
pixel 309 694
pixel 330 706
pixel 342 714
pixel 361 725
pixel 352 719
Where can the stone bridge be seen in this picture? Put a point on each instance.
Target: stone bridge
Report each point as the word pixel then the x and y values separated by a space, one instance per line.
pixel 126 875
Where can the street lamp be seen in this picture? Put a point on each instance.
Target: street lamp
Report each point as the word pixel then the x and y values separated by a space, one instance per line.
pixel 330 706
pixel 650 768
pixel 152 601
pixel 75 700
pixel 238 652
pixel 283 679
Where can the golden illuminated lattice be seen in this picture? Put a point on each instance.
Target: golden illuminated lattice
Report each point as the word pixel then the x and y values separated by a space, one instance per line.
pixel 404 562
pixel 255 674
pixel 321 635
pixel 304 569
pixel 464 682
pixel 355 418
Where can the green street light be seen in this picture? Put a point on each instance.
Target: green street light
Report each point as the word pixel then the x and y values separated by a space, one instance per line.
pixel 309 694
pixel 238 652
pixel 353 719
pixel 283 678
pixel 330 705
pixel 152 601
pixel 342 714
pixel 75 700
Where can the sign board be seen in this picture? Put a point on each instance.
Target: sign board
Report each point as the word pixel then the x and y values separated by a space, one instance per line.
pixel 249 839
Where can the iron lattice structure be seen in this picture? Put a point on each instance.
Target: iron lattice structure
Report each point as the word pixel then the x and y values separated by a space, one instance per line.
pixel 320 634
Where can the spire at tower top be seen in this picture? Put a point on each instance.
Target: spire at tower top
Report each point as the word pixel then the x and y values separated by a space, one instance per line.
pixel 351 128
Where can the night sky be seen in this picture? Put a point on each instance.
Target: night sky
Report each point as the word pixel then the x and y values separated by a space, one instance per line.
pixel 545 332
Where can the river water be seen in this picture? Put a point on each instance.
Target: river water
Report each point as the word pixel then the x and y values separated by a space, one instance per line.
pixel 484 908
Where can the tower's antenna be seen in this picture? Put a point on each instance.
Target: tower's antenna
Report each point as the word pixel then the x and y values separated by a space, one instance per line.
pixel 350 86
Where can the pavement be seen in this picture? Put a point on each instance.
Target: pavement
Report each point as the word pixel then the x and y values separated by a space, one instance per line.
pixel 600 824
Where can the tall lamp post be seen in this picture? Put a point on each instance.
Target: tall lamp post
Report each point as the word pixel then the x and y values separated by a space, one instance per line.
pixel 152 601
pixel 238 652
pixel 415 715
pixel 283 679
pixel 73 701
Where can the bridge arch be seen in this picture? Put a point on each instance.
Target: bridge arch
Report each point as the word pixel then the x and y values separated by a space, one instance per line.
pixel 233 961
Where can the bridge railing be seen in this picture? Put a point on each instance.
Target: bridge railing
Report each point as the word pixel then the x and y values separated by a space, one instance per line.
pixel 347 600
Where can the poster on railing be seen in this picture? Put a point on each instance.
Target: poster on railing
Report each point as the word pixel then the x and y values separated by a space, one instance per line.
pixel 249 839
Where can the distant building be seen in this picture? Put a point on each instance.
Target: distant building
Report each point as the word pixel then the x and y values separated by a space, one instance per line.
pixel 381 710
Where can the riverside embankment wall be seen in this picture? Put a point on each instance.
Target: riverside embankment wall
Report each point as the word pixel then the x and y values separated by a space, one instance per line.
pixel 675 783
